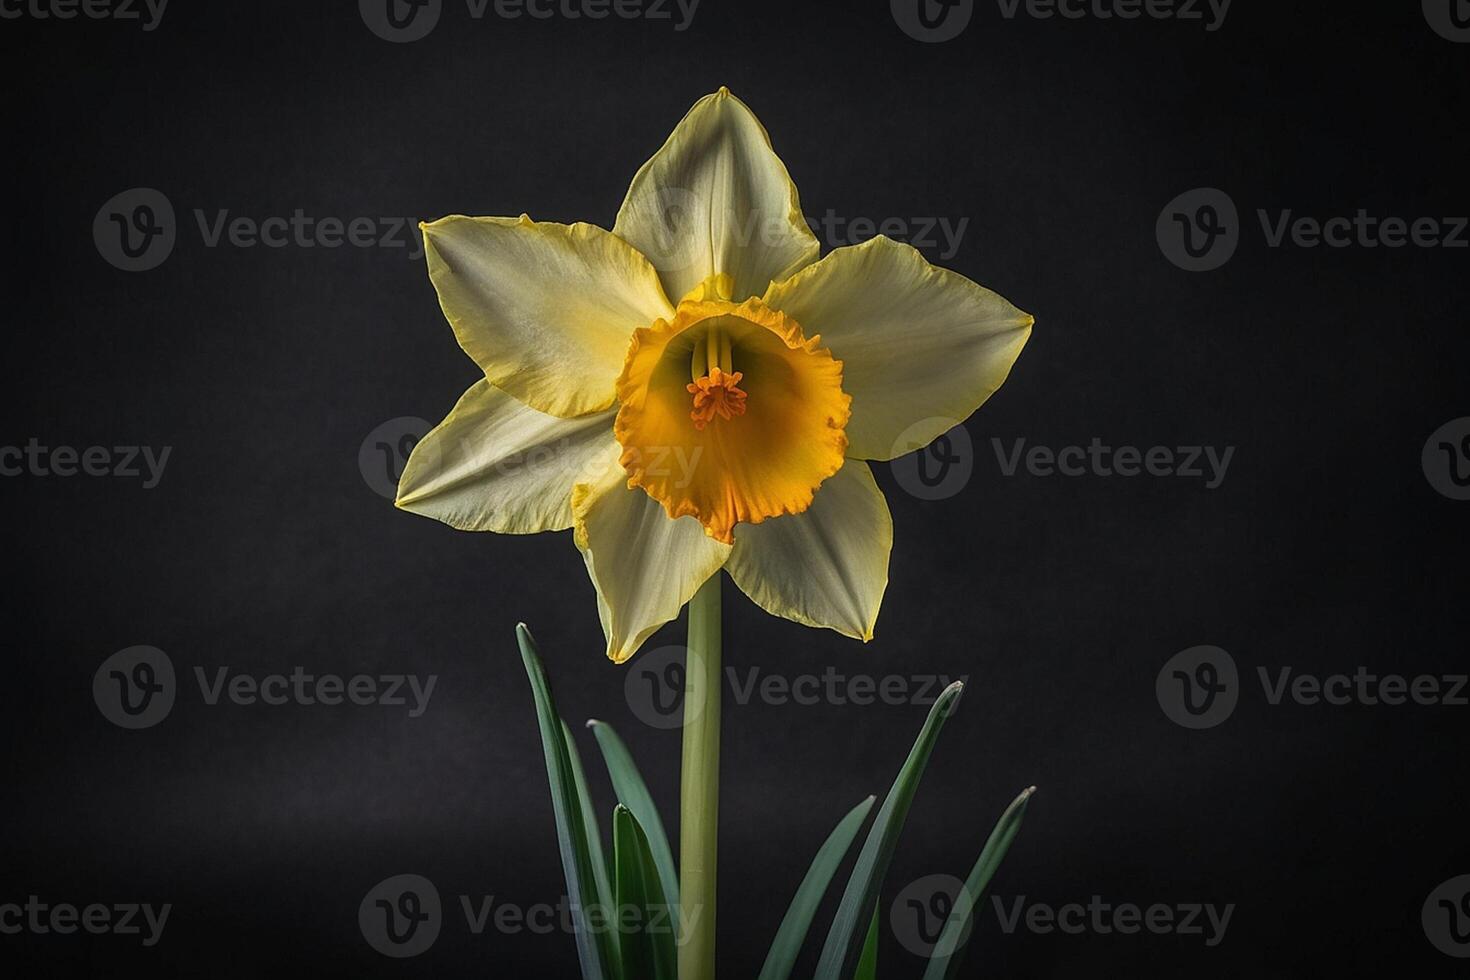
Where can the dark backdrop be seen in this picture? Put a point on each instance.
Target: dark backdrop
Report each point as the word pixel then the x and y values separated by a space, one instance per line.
pixel 263 547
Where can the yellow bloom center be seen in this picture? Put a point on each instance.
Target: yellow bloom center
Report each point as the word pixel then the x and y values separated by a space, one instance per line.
pixel 755 432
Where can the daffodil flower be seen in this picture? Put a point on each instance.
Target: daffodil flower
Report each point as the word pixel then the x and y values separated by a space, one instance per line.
pixel 697 390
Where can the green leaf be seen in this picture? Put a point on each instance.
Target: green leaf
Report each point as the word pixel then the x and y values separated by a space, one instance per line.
pixel 867 968
pixel 648 950
pixel 601 873
pixel 594 945
pixel 633 793
pixel 944 963
pixel 844 942
pixel 798 920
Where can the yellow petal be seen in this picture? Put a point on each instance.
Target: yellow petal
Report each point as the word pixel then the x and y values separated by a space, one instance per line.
pixel 826 567
pixel 717 200
pixel 765 460
pixel 644 566
pixel 495 464
pixel 921 346
pixel 545 309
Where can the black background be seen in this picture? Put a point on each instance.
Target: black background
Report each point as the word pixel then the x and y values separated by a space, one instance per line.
pixel 1060 598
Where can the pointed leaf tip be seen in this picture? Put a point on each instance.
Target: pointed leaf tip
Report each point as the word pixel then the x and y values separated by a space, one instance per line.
pixel 949 699
pixel 530 655
pixel 596 951
pixel 949 951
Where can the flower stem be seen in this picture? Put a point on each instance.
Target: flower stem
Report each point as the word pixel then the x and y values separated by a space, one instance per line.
pixel 699 790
